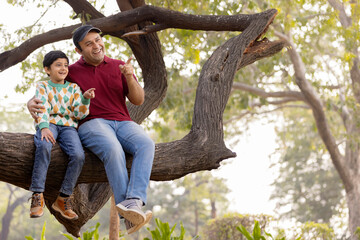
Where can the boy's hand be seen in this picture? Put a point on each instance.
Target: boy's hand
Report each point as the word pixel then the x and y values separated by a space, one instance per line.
pixel 127 69
pixel 47 134
pixel 90 93
pixel 34 106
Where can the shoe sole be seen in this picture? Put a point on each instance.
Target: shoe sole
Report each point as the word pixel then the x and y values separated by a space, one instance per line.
pixel 59 211
pixel 36 216
pixel 148 215
pixel 132 215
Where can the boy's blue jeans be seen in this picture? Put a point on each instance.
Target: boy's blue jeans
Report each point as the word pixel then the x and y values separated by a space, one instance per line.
pixel 69 141
pixel 109 140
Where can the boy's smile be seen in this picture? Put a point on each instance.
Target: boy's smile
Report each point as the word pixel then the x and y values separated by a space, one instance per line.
pixel 58 70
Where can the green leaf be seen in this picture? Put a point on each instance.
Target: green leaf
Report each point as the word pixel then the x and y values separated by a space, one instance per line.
pixel 245 232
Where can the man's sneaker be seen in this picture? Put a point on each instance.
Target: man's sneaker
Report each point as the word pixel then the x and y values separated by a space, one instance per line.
pixel 130 209
pixel 37 205
pixel 131 228
pixel 63 206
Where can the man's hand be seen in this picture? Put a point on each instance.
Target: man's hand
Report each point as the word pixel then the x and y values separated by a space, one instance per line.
pixel 34 106
pixel 90 93
pixel 47 134
pixel 136 93
pixel 127 69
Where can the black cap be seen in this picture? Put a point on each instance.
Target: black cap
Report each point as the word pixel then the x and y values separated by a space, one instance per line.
pixel 81 32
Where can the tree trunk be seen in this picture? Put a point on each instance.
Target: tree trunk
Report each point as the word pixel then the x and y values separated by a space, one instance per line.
pixel 196 213
pixel 114 227
pixel 213 209
pixel 353 200
pixel 203 148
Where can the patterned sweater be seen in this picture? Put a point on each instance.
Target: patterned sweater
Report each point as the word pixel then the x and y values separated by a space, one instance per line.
pixel 64 104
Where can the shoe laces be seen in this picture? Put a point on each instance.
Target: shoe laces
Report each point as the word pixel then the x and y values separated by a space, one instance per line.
pixel 35 200
pixel 67 204
pixel 132 203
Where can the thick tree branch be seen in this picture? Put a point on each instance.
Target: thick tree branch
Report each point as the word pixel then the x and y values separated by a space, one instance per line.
pixel 84 7
pixel 125 19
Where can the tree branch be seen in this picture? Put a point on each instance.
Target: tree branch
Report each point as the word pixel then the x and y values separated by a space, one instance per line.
pixel 296 96
pixel 319 115
pixel 120 21
pixel 338 6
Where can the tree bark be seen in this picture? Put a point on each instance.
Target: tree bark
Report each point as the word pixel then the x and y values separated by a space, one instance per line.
pixel 202 149
pixel 114 226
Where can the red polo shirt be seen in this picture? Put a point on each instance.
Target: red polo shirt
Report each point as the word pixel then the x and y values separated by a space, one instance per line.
pixel 111 88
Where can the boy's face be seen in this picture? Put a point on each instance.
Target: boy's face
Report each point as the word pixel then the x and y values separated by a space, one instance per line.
pixel 58 70
pixel 93 48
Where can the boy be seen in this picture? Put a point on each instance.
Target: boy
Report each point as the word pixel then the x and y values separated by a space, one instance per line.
pixel 64 106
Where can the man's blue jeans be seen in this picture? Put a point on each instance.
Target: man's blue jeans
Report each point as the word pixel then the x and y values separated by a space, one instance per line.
pixel 109 140
pixel 69 141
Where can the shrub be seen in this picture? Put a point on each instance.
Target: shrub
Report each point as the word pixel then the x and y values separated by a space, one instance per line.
pixel 225 228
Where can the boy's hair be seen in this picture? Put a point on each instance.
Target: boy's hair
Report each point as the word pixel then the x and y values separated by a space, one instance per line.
pixel 51 56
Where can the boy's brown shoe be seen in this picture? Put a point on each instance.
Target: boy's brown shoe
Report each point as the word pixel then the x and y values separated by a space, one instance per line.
pixel 63 206
pixel 37 205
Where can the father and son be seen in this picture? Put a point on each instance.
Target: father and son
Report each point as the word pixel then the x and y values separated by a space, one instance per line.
pixel 63 113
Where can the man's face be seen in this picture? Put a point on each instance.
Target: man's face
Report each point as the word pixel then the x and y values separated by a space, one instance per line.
pixel 93 48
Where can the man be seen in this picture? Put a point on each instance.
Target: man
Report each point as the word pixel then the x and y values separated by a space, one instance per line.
pixel 108 130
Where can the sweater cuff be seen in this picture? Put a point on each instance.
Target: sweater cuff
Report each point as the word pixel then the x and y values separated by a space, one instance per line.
pixel 84 100
pixel 44 125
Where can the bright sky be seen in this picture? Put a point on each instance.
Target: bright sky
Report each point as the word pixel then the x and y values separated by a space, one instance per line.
pixel 248 175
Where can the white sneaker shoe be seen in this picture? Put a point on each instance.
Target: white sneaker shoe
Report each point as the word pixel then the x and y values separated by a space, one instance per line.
pixel 131 228
pixel 130 209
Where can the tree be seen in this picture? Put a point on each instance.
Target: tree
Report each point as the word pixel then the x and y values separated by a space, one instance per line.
pixel 320 74
pixel 6 219
pixel 201 149
pixel 308 182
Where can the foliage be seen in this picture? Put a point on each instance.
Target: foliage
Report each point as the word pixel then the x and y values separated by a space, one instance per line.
pixel 226 227
pixel 312 230
pixel 16 120
pixel 357 232
pixel 42 234
pixel 257 233
pixel 306 179
pixel 163 231
pixel 91 234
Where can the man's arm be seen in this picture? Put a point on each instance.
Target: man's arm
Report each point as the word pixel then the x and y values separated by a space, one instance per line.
pixel 136 93
pixel 34 105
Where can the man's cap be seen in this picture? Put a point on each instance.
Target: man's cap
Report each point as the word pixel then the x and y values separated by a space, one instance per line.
pixel 81 32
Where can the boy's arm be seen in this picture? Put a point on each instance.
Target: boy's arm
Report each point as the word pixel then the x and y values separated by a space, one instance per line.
pixel 81 104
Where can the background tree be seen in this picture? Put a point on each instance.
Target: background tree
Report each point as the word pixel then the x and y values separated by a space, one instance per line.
pixel 307 183
pixel 321 72
pixel 13 202
pixel 203 147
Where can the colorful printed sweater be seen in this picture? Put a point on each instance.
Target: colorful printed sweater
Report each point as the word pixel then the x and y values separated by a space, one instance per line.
pixel 64 104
